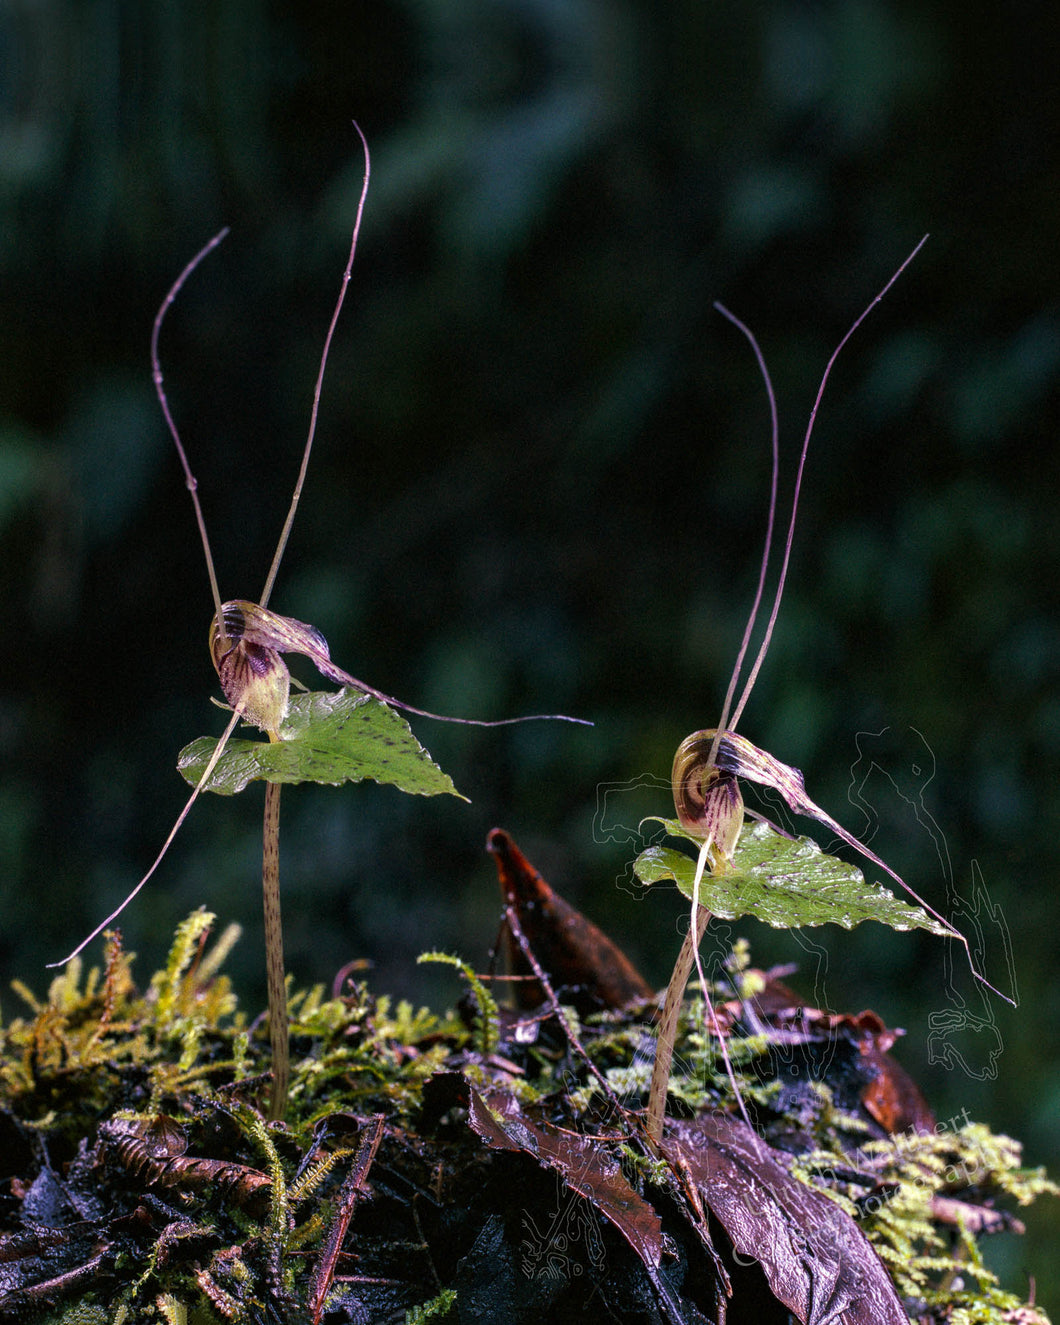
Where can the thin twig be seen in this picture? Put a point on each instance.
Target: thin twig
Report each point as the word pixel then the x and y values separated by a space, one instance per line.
pixel 554 1003
pixel 353 1188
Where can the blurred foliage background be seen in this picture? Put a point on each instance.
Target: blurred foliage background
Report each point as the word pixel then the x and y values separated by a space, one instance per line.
pixel 541 473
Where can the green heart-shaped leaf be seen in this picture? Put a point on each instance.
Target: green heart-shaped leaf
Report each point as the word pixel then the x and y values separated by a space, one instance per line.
pixel 785 882
pixel 331 737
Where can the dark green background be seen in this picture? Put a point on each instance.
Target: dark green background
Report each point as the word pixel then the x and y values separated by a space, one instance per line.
pixel 542 466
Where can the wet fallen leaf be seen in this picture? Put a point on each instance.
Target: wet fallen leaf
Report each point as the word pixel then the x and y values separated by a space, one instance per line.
pixel 586 1166
pixel 816 1260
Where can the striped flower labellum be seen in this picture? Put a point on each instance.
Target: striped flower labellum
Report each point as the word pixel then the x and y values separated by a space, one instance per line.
pixel 254 677
pixel 246 643
pixel 707 797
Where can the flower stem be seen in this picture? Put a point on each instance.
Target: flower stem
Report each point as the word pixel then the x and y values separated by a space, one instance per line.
pixel 664 1047
pixel 274 975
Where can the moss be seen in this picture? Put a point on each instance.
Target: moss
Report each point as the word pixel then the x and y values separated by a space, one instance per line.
pixel 925 1199
pixel 143 1112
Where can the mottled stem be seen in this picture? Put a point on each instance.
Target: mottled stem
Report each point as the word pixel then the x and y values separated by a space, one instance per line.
pixel 277 985
pixel 664 1048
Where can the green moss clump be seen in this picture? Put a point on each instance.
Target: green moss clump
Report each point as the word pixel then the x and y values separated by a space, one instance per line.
pixel 148 1185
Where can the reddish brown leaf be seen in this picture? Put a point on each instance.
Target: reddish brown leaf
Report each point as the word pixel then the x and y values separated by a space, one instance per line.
pixel 573 952
pixel 585 1164
pixel 816 1260
pixel 892 1097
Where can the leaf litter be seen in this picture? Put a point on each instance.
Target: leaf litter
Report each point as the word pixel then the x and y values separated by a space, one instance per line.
pixel 482 1165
